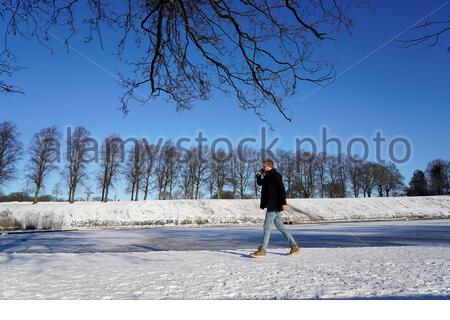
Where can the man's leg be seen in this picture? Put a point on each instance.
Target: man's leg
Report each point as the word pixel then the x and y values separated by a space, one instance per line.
pixel 270 216
pixel 280 226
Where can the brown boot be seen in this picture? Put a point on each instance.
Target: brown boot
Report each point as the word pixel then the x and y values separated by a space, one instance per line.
pixel 260 253
pixel 294 250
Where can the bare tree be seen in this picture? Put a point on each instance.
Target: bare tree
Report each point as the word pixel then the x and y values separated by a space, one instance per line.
pixel 387 178
pixel 193 170
pixel 336 166
pixel 305 174
pixel 394 181
pixel 260 51
pixel 150 153
pixel 355 172
pixel 321 175
pixel 57 190
pixel 77 152
pixel 200 168
pixel 381 175
pixel 256 166
pixel 134 169
pixel 88 192
pixel 287 168
pixel 428 34
pixel 161 178
pixel 367 177
pixel 219 171
pixel 232 175
pixel 210 179
pixel 187 179
pixel 447 185
pixel 343 174
pixel 44 152
pixel 437 175
pixel 111 160
pixel 173 165
pixel 167 170
pixel 10 151
pixel 247 157
pixel 7 69
pixel 239 170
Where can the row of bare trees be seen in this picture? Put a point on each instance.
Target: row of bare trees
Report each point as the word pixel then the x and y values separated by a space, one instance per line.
pixel 336 176
pixel 167 171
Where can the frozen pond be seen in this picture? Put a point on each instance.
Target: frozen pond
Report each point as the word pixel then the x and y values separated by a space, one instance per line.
pixel 361 234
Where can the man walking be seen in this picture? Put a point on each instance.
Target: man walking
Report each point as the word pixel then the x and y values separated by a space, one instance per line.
pixel 273 197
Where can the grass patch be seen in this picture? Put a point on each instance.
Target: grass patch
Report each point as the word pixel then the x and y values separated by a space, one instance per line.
pixel 8 222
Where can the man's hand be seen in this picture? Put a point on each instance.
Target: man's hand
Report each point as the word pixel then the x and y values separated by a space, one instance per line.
pixel 285 207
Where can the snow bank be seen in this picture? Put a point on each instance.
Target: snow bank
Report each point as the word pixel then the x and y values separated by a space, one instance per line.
pixel 52 215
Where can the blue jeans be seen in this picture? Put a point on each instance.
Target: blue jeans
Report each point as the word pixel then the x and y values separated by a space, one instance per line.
pixel 275 216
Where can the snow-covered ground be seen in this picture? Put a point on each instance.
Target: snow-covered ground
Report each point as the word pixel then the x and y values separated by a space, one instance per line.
pixel 216 212
pixel 378 272
pixel 402 259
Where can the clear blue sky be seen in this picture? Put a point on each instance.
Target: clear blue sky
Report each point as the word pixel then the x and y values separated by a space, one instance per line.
pixel 400 92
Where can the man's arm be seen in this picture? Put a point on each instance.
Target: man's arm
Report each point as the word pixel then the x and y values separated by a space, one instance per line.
pixel 281 190
pixel 259 179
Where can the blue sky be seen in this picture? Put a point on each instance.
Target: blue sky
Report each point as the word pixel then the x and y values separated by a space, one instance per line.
pixel 399 92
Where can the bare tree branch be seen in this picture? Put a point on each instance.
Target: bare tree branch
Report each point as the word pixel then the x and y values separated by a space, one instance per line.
pixel 258 51
pixel 429 34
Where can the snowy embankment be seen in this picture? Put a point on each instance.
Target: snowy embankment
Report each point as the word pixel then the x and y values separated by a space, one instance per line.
pixel 412 272
pixel 54 215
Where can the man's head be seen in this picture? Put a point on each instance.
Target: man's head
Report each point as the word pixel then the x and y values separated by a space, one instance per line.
pixel 268 164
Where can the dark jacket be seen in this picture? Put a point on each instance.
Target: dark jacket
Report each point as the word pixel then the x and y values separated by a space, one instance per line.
pixel 273 194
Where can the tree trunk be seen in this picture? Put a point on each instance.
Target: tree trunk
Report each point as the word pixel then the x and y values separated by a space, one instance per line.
pixel 105 178
pixel 136 198
pixel 132 191
pixel 146 189
pixel 36 194
pixel 106 194
pixel 103 192
pixel 146 193
pixel 72 195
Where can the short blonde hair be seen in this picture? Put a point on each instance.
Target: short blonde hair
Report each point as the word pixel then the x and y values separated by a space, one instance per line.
pixel 269 162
